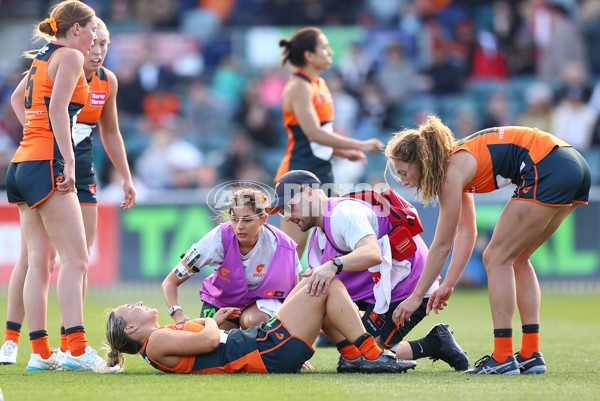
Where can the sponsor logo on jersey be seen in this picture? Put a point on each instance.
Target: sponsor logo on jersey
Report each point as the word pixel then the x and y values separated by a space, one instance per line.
pixel 97 98
pixel 274 293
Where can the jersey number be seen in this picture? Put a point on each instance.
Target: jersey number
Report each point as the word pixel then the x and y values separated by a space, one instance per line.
pixel 28 96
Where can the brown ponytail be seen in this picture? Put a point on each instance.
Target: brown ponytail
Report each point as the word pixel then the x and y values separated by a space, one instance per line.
pixel 304 39
pixel 430 147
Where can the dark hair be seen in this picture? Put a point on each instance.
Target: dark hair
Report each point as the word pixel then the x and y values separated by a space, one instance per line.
pixel 302 40
pixel 118 341
pixel 66 14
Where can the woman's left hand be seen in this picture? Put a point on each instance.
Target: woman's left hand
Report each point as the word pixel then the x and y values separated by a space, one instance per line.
pixel 405 310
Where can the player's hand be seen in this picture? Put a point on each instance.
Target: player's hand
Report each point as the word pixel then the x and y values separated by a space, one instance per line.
pixel 353 155
pixel 320 278
pixel 439 299
pixel 66 182
pixel 129 198
pixel 306 365
pixel 226 313
pixel 179 316
pixel 405 310
pixel 372 146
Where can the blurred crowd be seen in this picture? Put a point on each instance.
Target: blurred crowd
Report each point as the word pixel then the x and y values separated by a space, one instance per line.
pixel 213 116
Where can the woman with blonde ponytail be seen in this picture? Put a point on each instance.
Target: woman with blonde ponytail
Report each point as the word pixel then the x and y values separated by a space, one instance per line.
pixel 551 180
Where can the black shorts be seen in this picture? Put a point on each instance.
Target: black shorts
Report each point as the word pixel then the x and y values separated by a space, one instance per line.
pixel 383 326
pixel 209 310
pixel 86 192
pixel 559 179
pixel 32 182
pixel 85 177
pixel 281 351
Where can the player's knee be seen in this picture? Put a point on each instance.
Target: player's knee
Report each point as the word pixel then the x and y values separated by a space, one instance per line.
pixel 493 258
pixel 250 319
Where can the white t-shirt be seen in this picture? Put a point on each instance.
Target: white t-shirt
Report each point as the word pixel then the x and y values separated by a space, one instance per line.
pixel 209 251
pixel 350 222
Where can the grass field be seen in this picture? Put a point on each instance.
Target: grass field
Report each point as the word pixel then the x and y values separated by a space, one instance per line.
pixel 570 327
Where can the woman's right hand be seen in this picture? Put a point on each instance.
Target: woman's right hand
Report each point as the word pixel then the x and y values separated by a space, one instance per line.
pixel 439 299
pixel 68 179
pixel 372 146
pixel 226 313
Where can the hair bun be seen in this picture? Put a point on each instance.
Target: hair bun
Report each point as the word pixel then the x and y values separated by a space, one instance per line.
pixel 285 43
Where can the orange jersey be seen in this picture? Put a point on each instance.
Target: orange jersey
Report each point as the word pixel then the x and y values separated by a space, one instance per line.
pixel 299 153
pixel 38 138
pixel 239 354
pixel 502 152
pixel 99 94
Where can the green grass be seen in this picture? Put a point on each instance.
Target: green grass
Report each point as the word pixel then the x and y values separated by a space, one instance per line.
pixel 570 325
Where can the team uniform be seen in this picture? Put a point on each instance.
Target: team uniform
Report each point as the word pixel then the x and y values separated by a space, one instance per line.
pixel 347 221
pixel 264 276
pixel 85 177
pixel 38 164
pixel 302 154
pixel 267 348
pixel 544 168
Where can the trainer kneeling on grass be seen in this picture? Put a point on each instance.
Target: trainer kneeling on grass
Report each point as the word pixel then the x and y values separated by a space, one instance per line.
pixel 362 241
pixel 281 345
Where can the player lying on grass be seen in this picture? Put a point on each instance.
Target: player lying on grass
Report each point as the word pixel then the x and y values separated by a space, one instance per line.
pixel 281 345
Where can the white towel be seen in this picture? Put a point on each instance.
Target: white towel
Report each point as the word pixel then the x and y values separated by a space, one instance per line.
pixel 270 306
pixel 387 275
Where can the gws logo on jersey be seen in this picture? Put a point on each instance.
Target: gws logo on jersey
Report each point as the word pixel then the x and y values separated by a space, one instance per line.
pixel 501 134
pixel 219 198
pixel 259 270
pixel 222 273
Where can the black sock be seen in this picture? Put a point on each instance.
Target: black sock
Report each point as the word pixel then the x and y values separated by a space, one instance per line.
pixel 342 344
pixel 361 340
pixel 424 346
pixel 530 328
pixel 74 329
pixel 34 335
pixel 13 326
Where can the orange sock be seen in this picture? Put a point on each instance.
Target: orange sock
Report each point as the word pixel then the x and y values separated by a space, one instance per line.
pixel 503 348
pixel 76 343
pixel 368 347
pixel 530 344
pixel 63 342
pixel 12 335
pixel 350 351
pixel 41 346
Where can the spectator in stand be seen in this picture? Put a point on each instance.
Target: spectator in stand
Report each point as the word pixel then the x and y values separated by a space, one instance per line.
pixel 207 114
pixel 539 99
pixel 442 78
pixel 355 68
pixel 256 119
pixel 573 119
pixel 565 43
pixel 590 14
pixel 131 91
pixel 498 112
pixel 121 18
pixel 396 76
pixel 171 162
pixel 488 61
